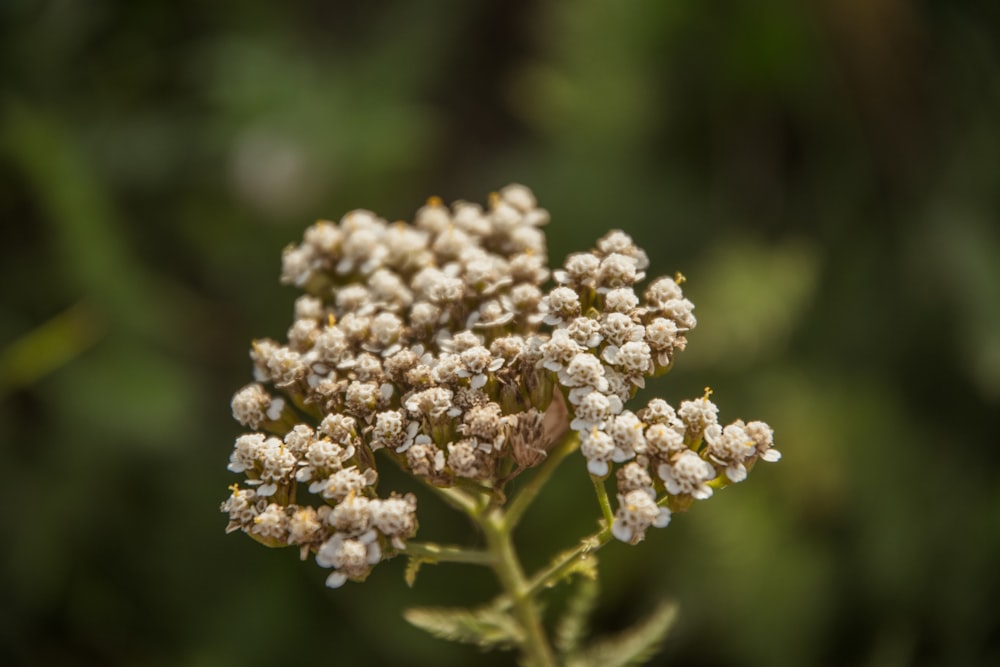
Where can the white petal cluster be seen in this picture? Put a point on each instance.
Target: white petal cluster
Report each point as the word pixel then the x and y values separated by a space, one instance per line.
pixel 605 342
pixel 439 345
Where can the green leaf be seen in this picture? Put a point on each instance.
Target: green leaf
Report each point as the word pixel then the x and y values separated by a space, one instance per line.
pixel 634 646
pixel 486 627
pixel 572 626
pixel 412 567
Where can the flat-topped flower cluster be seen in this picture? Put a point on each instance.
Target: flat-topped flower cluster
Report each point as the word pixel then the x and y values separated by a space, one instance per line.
pixel 436 345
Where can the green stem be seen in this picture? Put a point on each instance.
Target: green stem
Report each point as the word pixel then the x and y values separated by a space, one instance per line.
pixel 602 499
pixel 535 645
pixel 560 566
pixel 455 497
pixel 528 492
pixel 437 553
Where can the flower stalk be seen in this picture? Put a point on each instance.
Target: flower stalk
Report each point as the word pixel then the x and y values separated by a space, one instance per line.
pixel 450 348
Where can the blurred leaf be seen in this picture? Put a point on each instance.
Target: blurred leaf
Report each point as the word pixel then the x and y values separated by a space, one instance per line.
pixel 82 216
pixel 749 296
pixel 412 568
pixel 573 625
pixel 127 395
pixel 634 646
pixel 485 627
pixel 48 347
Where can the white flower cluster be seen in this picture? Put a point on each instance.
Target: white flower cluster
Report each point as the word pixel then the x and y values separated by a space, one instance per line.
pixel 435 345
pixel 605 341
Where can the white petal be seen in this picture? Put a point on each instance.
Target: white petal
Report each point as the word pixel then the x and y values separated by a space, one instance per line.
pixel 597 468
pixel 623 532
pixel 736 473
pixel 619 455
pixel 336 580
pixel 663 518
pixel 703 492
pixel 771 455
pixel 374 553
pixel 274 410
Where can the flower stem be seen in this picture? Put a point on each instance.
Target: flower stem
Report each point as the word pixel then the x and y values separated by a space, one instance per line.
pixel 602 499
pixel 446 553
pixel 561 566
pixel 535 645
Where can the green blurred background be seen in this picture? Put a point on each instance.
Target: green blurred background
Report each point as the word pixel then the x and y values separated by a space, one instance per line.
pixel 826 174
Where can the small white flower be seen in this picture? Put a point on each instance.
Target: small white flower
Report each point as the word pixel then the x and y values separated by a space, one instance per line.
pixel 698 415
pixel 657 411
pixel 296 265
pixel 395 517
pixel 621 300
pixel 519 196
pixel 434 404
pixel 597 447
pixel 339 428
pixel 730 446
pixel 585 331
pixel 561 304
pixel 425 459
pixel 271 524
pixel 763 438
pixel 352 515
pixel 299 439
pixel 344 482
pixel 241 507
pixel 351 557
pixel 617 241
pixel 593 411
pixel 559 350
pixel 250 405
pixel 681 311
pixel 467 460
pixel 584 370
pixel 687 473
pixel 276 461
pixel 637 511
pixel 305 526
pixel 245 453
pixel 618 329
pixel 579 270
pixel 664 441
pixel 617 270
pixel 309 307
pixel 661 291
pixel 634 476
pixel 627 432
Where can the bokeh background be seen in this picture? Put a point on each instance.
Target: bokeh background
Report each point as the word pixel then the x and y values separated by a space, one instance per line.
pixel 826 174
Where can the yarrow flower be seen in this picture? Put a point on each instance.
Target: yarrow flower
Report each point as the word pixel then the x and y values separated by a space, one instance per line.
pixel 440 347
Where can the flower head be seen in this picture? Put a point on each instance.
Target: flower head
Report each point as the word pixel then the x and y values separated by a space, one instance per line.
pixel 440 345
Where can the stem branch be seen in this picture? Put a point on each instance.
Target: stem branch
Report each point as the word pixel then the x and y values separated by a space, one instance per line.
pixel 535 646
pixel 602 499
pixel 447 553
